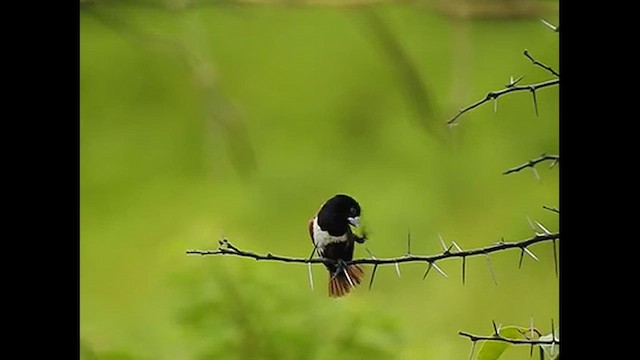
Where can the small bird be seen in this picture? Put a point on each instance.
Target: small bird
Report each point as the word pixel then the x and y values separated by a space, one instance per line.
pixel 331 235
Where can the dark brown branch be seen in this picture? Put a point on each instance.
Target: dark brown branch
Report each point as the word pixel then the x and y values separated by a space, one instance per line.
pixel 227 249
pixel 513 87
pixel 494 337
pixel 492 95
pixel 533 162
pixel 536 62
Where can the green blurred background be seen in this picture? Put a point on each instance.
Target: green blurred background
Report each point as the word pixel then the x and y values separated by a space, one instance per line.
pixel 207 119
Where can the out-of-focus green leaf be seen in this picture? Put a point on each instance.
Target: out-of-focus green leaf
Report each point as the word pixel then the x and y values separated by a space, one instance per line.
pixel 492 350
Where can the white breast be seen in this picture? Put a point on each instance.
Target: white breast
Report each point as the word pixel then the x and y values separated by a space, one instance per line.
pixel 322 238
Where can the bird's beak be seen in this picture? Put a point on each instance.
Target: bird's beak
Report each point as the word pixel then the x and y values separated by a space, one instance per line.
pixel 355 221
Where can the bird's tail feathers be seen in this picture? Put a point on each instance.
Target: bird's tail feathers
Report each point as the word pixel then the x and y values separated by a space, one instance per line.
pixel 344 279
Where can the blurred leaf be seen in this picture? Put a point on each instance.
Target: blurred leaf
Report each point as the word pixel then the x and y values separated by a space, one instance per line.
pixel 88 353
pixel 492 350
pixel 269 321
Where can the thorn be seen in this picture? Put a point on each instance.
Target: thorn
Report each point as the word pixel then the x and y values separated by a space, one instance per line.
pixel 409 242
pixel 549 25
pixel 456 246
pixel 521 257
pixel 444 247
pixel 310 275
pixel 555 257
pixel 398 270
pixel 344 270
pixel 448 251
pixel 370 253
pixel 530 253
pixel 473 348
pixel 553 336
pixel 493 275
pixel 495 108
pixel 531 326
pixel 464 266
pixel 513 82
pixel 435 266
pixel 553 163
pixel 535 173
pixel 535 101
pixel 531 224
pixel 315 247
pixel 427 272
pixel 495 328
pixel 373 274
pixel 543 228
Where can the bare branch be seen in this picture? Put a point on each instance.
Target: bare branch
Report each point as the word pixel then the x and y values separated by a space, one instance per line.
pixel 496 94
pixel 536 62
pixel 533 162
pixel 494 337
pixel 512 86
pixel 551 209
pixel 226 248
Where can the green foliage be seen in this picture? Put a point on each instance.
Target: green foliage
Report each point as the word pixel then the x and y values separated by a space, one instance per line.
pixel 88 353
pixel 492 350
pixel 242 120
pixel 268 321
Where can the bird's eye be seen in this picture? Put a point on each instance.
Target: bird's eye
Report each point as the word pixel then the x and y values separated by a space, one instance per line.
pixel 353 210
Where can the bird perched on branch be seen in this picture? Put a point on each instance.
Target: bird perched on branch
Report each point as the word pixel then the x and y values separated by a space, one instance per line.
pixel 331 235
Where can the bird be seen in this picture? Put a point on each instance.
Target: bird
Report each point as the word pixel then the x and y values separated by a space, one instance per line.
pixel 331 236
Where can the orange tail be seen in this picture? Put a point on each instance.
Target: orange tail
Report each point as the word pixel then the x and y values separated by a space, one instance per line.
pixel 339 284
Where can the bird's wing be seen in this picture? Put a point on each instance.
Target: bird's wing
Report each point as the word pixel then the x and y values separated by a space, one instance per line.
pixel 311 231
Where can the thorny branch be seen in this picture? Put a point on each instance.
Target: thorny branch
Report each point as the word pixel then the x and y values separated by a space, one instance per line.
pixel 536 62
pixel 492 95
pixel 511 87
pixel 533 162
pixel 474 338
pixel 531 336
pixel 226 248
pixel 495 337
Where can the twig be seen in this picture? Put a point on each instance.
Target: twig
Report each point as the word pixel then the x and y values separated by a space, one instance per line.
pixel 533 162
pixel 513 87
pixel 496 94
pixel 227 249
pixel 494 337
pixel 536 62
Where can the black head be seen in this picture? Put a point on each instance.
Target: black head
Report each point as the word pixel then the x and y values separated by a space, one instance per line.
pixel 337 213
